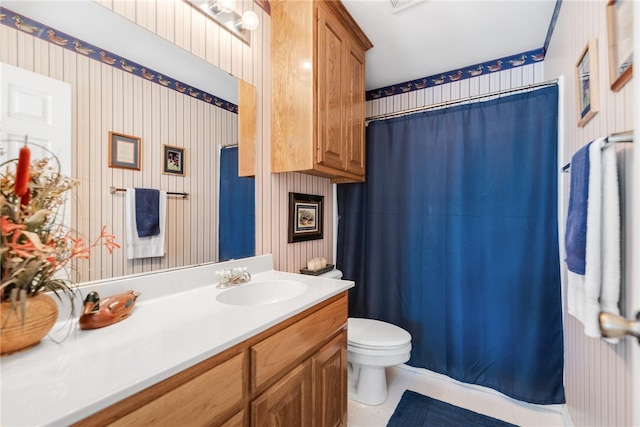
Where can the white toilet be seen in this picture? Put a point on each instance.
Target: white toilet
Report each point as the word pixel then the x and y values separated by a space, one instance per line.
pixel 372 346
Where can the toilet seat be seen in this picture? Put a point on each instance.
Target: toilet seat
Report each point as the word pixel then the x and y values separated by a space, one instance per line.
pixel 369 334
pixel 374 348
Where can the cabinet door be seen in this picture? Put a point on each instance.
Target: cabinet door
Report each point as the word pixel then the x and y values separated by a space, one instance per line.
pixel 355 110
pixel 287 402
pixel 329 366
pixel 331 97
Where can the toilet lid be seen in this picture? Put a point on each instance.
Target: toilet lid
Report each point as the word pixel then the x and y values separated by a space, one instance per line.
pixel 374 333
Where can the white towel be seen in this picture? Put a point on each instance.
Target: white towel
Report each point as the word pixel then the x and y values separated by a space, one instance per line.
pixel 599 288
pixel 143 247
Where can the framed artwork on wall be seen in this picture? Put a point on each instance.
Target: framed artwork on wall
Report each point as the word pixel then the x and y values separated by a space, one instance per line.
pixel 305 217
pixel 620 34
pixel 173 160
pixel 587 83
pixel 124 151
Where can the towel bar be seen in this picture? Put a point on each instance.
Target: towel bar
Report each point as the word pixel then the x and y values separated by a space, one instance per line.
pixel 113 190
pixel 612 139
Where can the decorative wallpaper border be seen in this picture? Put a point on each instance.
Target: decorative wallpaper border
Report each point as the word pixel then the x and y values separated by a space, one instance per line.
pixel 471 71
pixel 66 41
pixel 552 24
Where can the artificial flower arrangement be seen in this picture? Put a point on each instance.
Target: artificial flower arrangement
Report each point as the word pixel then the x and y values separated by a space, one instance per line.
pixel 37 247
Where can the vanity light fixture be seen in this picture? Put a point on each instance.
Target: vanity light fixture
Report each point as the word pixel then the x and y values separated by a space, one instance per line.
pixel 249 21
pixel 220 6
pixel 223 12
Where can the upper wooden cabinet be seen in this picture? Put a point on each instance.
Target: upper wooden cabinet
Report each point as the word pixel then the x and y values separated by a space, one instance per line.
pixel 318 90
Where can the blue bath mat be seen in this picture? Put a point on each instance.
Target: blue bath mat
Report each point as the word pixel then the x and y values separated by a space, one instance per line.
pixel 416 410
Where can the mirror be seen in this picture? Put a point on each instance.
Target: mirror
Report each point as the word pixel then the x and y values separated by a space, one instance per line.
pixel 93 23
pixel 98 26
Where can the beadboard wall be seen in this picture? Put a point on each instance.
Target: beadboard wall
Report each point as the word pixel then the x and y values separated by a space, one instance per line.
pixel 598 375
pixel 106 98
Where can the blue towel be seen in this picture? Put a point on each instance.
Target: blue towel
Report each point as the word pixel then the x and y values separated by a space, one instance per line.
pixel 147 212
pixel 575 238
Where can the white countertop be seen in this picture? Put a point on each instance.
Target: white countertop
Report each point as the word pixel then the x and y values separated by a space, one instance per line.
pixel 61 383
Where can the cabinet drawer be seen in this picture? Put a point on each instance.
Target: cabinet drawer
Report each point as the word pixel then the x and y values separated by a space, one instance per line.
pixel 281 350
pixel 201 401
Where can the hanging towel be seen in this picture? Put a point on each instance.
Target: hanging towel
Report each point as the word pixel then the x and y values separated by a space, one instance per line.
pixel 599 288
pixel 144 247
pixel 147 212
pixel 576 231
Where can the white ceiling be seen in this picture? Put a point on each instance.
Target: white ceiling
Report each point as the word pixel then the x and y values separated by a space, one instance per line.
pixel 435 36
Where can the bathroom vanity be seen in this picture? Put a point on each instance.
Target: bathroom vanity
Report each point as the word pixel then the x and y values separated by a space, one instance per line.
pixel 184 357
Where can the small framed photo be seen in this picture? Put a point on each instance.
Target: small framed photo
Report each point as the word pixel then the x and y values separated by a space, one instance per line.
pixel 124 151
pixel 173 160
pixel 587 83
pixel 305 217
pixel 620 34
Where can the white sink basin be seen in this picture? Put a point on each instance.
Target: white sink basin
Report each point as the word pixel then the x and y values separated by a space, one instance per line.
pixel 259 293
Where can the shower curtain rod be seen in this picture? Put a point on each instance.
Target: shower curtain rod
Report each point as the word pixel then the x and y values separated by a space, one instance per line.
pixel 611 139
pixel 385 116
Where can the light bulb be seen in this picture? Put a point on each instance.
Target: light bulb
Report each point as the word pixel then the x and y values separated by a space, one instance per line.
pixel 220 6
pixel 249 21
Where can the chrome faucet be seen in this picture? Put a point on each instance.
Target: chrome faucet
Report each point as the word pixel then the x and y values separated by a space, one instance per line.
pixel 233 277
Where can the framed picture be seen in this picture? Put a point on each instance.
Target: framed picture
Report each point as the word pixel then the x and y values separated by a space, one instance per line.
pixel 305 217
pixel 124 151
pixel 173 160
pixel 587 83
pixel 620 33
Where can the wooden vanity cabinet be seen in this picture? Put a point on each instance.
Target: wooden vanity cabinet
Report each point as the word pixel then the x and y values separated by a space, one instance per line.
pixel 300 372
pixel 294 373
pixel 318 90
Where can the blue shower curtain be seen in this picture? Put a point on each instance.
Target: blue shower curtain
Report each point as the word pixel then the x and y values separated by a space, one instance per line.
pixel 454 237
pixel 237 229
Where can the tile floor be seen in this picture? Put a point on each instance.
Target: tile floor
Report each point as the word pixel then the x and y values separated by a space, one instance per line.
pixel 475 398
